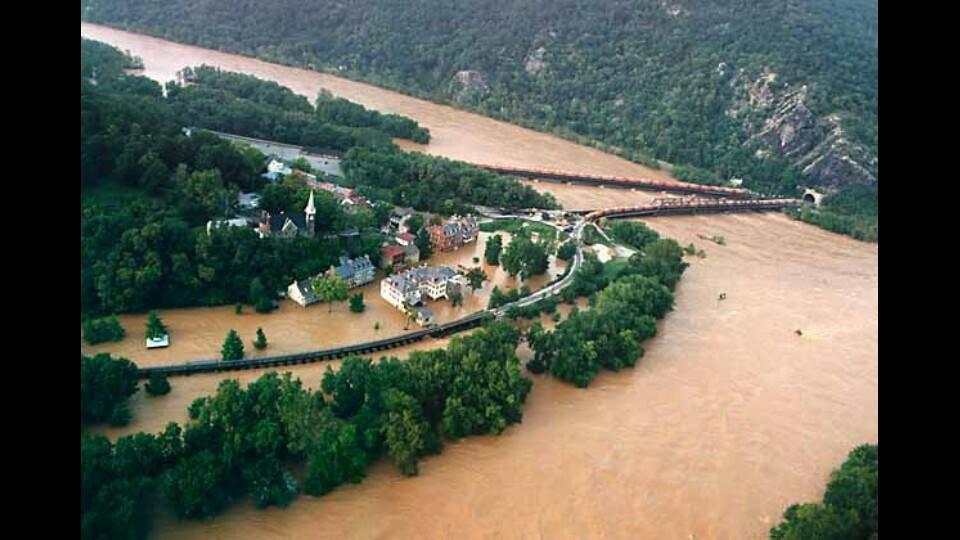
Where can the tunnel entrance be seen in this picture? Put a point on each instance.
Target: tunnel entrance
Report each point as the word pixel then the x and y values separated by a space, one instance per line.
pixel 812 197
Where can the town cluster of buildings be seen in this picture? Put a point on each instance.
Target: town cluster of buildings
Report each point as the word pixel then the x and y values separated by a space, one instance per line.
pixel 347 197
pixel 454 233
pixel 407 290
pixel 354 272
pixel 402 252
pixel 411 283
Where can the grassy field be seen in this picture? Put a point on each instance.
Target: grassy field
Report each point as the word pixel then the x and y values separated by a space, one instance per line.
pixel 519 226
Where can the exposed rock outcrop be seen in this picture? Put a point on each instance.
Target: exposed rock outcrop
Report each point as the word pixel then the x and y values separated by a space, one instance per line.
pixel 468 85
pixel 816 145
pixel 534 63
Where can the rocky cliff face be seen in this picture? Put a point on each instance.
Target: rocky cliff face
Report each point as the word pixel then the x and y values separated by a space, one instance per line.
pixel 788 128
pixel 467 86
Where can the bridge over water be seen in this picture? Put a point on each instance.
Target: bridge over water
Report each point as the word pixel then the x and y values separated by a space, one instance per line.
pixel 660 207
pixel 620 181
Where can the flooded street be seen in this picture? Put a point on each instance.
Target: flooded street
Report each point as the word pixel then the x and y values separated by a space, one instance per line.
pixel 198 333
pixel 729 417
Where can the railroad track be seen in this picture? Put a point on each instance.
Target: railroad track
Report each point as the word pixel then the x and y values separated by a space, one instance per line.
pixel 660 207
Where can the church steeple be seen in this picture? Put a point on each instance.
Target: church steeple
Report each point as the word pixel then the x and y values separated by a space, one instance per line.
pixel 310 213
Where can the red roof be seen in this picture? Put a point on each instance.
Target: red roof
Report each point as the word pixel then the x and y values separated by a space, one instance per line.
pixel 406 237
pixel 391 251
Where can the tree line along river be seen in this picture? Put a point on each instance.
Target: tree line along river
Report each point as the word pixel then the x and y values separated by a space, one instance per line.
pixel 729 417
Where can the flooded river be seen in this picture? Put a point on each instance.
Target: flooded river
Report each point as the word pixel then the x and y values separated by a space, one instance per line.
pixel 729 417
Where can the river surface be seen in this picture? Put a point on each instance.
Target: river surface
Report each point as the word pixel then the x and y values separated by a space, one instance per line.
pixel 729 417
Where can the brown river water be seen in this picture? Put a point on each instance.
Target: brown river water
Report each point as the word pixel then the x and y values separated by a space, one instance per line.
pixel 729 417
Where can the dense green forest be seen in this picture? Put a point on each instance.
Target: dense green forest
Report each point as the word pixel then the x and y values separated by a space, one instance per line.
pixel 851 505
pixel 776 93
pixel 248 441
pixel 148 189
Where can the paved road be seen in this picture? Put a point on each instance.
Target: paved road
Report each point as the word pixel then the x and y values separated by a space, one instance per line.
pixel 555 288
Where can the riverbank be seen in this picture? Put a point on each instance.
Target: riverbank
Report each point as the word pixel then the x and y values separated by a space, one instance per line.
pixel 729 417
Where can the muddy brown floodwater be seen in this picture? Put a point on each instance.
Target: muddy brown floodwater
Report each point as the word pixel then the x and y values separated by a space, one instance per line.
pixel 729 417
pixel 198 333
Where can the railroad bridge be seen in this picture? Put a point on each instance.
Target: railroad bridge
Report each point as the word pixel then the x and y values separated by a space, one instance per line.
pixel 620 181
pixel 665 206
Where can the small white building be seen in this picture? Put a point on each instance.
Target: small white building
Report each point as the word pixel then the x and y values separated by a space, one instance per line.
pixel 248 201
pixel 276 169
pixel 218 223
pixel 158 342
pixel 302 292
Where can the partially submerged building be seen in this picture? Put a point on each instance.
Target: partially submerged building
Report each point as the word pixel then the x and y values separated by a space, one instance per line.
pixel 354 272
pixel 411 287
pixel 453 233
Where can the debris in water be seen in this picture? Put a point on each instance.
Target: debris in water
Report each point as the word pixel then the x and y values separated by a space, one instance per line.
pixel 799 333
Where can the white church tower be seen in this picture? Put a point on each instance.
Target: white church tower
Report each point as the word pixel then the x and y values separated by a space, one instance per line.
pixel 310 213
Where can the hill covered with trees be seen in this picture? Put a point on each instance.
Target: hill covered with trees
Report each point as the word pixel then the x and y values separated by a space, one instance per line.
pixel 148 188
pixel 776 93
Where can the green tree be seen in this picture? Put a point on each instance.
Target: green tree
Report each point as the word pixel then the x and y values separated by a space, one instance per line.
pixel 232 347
pixel 475 277
pixel 197 486
pixel 488 391
pixel 105 385
pixel 100 330
pixel 661 259
pixel 424 244
pixel 334 458
pixel 356 303
pixel 456 298
pixel 414 223
pixel 524 257
pixel 262 300
pixel 157 385
pixel 261 342
pixel 155 327
pixel 330 288
pixel 204 195
pixel 269 483
pixel 567 250
pixel 409 315
pixel 491 252
pixel 404 431
pixel 633 233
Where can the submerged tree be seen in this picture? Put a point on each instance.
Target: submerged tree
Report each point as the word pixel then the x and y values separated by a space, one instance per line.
pixel 232 347
pixel 330 288
pixel 158 384
pixel 261 342
pixel 356 303
pixel 155 327
pixel 476 277
pixel 491 252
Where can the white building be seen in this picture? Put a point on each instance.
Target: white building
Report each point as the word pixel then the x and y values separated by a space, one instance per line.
pixel 216 224
pixel 397 291
pixel 411 286
pixel 276 169
pixel 248 201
